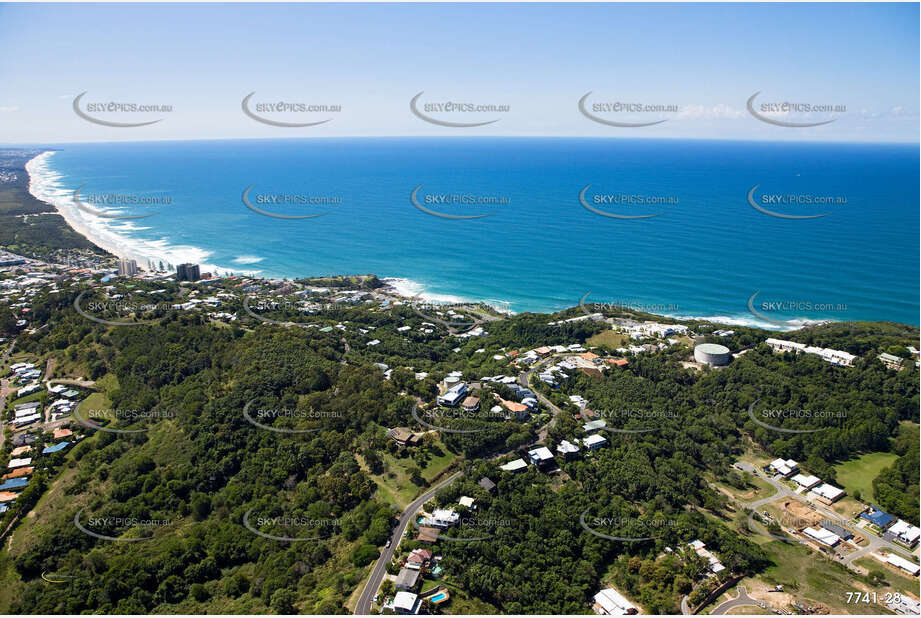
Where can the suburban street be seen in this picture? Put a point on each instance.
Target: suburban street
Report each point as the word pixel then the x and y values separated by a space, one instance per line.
pixel 380 568
pixel 874 543
pixel 742 599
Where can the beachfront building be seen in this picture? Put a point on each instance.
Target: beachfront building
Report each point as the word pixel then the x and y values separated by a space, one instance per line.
pixel 188 272
pixel 127 268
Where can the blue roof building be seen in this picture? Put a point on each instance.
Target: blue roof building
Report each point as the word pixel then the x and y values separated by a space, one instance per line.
pixel 55 448
pixel 878 517
pixel 13 484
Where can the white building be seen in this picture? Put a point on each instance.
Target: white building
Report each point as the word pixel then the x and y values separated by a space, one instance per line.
pixel 903 532
pixel 826 493
pixel 784 467
pixel 806 481
pixel 609 602
pixel 823 536
pixel 514 466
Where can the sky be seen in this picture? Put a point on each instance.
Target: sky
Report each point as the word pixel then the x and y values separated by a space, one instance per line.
pixel 696 64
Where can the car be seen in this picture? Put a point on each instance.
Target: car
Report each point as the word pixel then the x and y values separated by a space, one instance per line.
pixel 389 541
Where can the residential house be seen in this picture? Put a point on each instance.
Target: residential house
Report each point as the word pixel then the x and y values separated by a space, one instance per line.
pixel 594 442
pixel 825 493
pixel 517 465
pixel 784 467
pixel 407 579
pixel 609 602
pixel 453 395
pixel 904 533
pixel 487 484
pixel 878 517
pixel 806 481
pixel 541 456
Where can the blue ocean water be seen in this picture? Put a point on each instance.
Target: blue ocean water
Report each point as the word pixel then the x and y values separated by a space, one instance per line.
pixel 705 254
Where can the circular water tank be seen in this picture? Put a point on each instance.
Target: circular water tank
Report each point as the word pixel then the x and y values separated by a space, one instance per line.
pixel 712 354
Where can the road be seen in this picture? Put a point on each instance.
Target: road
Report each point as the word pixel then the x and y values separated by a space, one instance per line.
pixel 363 606
pixel 874 543
pixel 742 599
pixel 524 379
pixel 4 384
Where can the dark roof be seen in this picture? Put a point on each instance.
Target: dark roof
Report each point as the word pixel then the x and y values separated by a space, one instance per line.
pixel 486 484
pixel 407 578
pixel 841 531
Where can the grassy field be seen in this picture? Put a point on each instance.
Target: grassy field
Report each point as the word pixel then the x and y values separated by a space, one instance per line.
pixel 858 474
pixel 896 580
pixel 761 489
pixel 394 485
pixel 610 339
pixel 810 579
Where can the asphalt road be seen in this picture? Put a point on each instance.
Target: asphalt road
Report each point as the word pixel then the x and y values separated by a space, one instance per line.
pixel 363 607
pixel 742 599
pixel 874 543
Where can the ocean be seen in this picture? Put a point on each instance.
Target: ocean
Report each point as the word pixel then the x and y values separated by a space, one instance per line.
pixel 712 234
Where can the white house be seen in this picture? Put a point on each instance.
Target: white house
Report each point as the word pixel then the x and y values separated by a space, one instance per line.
pixel 825 493
pixel 806 481
pixel 609 602
pixel 784 467
pixel 594 441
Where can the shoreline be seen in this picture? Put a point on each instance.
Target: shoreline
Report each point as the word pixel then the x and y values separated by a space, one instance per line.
pixel 43 186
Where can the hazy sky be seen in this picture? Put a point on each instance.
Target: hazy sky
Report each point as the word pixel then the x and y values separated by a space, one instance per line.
pixel 538 59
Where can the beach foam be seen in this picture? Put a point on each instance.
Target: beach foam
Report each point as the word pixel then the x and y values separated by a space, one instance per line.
pixel 114 236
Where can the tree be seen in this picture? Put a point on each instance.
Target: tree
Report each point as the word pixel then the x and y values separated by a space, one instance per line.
pixel 283 601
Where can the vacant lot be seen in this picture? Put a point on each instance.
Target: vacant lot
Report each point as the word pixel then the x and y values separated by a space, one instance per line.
pixel 858 474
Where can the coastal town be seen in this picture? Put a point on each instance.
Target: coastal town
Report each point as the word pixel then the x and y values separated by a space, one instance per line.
pixel 49 410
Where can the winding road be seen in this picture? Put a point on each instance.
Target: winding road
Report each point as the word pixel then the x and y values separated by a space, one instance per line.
pixel 363 607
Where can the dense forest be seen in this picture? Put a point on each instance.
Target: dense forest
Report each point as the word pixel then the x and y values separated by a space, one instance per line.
pixel 219 487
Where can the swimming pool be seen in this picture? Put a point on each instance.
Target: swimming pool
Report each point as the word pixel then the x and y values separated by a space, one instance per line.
pixel 441 596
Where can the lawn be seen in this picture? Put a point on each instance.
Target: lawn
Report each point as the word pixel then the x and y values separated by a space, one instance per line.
pixel 609 338
pixel 810 579
pixel 761 489
pixel 896 580
pixel 394 485
pixel 858 474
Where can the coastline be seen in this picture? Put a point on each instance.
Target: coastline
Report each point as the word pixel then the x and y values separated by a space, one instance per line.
pixel 111 236
pixel 43 186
